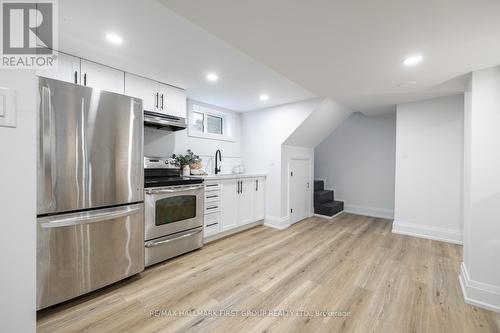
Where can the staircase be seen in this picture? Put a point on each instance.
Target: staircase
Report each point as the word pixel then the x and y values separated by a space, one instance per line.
pixel 324 202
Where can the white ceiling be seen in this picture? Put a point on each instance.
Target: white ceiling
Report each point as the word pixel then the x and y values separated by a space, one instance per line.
pixel 352 51
pixel 163 45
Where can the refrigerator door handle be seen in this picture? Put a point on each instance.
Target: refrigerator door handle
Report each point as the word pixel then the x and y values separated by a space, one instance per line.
pixel 83 218
pixel 46 146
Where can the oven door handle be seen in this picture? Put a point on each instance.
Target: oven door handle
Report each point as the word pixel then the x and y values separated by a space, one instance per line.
pixel 168 239
pixel 174 190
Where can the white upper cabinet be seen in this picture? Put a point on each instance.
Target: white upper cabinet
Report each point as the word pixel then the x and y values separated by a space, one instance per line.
pixel 102 77
pixel 172 101
pixel 157 97
pixel 259 202
pixel 140 87
pixel 245 204
pixel 68 69
pixel 229 204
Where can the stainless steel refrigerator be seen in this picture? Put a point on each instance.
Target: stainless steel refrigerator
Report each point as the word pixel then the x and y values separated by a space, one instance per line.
pixel 90 225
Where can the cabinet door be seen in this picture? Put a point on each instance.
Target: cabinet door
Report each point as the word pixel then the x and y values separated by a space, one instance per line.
pixel 172 101
pixel 142 88
pixel 102 77
pixel 229 204
pixel 245 205
pixel 260 199
pixel 68 69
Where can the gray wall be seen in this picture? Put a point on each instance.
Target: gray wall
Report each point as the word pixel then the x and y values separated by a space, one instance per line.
pixel 358 161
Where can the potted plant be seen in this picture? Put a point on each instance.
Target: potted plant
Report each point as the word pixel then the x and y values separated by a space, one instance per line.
pixel 185 161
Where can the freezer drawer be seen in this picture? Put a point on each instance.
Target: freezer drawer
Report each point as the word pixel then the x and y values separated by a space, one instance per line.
pixel 81 252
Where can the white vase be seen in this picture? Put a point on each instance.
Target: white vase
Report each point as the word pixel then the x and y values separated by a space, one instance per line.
pixel 186 171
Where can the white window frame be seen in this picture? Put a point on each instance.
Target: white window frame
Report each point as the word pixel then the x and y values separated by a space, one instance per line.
pixel 227 122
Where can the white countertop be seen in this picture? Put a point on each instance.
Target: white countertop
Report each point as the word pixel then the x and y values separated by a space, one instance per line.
pixel 230 176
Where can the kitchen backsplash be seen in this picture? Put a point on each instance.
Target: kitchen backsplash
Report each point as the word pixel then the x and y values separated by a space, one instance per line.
pixel 227 165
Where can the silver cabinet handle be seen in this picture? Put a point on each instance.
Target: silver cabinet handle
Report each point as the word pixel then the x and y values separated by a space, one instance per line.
pixel 174 190
pixel 88 217
pixel 168 239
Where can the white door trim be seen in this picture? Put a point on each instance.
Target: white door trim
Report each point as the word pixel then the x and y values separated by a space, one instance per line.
pixel 311 183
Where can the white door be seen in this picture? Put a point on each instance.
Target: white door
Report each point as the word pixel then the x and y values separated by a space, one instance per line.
pixel 145 89
pixel 68 69
pixel 102 77
pixel 229 204
pixel 300 190
pixel 245 205
pixel 259 199
pixel 172 101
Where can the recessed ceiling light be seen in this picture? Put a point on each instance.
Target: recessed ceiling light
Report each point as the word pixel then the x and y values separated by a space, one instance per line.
pixel 264 97
pixel 412 61
pixel 115 39
pixel 212 77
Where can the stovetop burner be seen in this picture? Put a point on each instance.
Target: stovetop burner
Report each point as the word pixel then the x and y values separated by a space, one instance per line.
pixel 170 181
pixel 162 172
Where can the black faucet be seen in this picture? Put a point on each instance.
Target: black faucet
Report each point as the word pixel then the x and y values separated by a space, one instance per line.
pixel 217 168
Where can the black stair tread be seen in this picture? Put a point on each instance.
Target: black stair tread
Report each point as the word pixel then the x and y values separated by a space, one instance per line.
pixel 323 196
pixel 319 185
pixel 319 192
pixel 333 204
pixel 330 208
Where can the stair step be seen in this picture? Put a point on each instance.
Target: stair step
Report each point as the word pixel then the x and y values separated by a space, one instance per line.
pixel 322 197
pixel 319 185
pixel 329 208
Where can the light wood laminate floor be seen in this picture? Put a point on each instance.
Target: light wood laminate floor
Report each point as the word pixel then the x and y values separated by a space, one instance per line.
pixel 350 264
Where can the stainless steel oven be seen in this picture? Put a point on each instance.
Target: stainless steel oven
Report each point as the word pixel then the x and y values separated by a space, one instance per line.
pixel 173 221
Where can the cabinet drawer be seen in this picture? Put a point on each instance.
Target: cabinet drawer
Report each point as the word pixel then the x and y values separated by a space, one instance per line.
pixel 212 224
pixel 212 196
pixel 212 207
pixel 212 187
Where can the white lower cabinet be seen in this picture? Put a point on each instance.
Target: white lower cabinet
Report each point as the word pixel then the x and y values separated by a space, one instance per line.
pixel 259 201
pixel 240 202
pixel 245 201
pixel 229 204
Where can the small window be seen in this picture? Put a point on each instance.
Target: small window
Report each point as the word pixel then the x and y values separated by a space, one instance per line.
pixel 210 122
pixel 214 124
pixel 198 121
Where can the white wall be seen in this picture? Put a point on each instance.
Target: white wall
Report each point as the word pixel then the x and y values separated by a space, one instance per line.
pixel 429 169
pixel 263 133
pixel 159 143
pixel 18 208
pixel 480 271
pixel 327 116
pixel 357 160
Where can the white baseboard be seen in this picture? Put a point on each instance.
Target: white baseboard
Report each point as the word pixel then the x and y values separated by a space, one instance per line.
pixel 479 294
pixel 229 232
pixel 426 231
pixel 328 217
pixel 279 223
pixel 369 211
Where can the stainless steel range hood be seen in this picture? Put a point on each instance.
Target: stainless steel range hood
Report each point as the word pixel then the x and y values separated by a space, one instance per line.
pixel 163 121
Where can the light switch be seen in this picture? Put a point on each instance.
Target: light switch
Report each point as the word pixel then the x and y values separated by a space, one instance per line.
pixel 8 112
